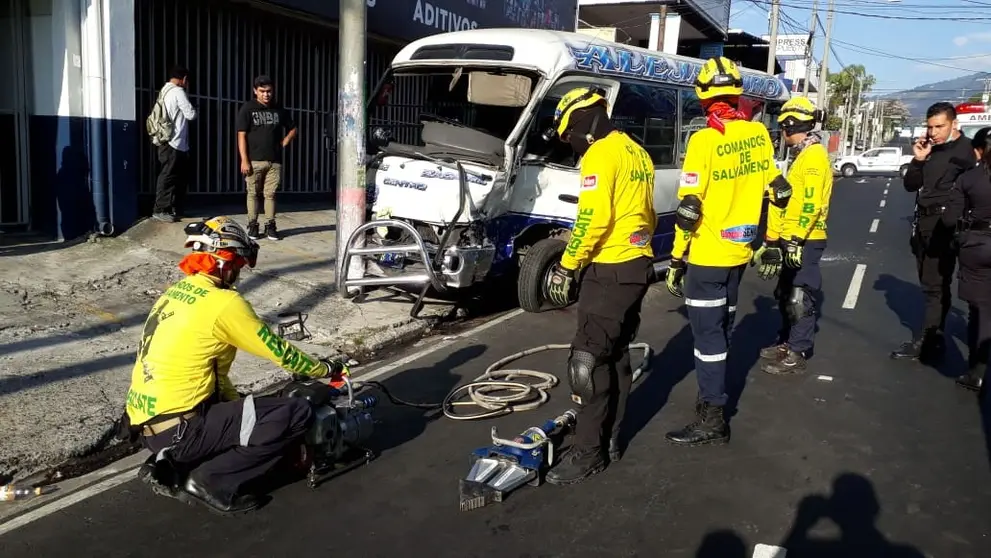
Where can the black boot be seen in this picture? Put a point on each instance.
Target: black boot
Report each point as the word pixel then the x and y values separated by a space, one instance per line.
pixel 909 350
pixel 272 232
pixel 708 428
pixel 615 452
pixel 973 379
pixel 217 501
pixel 575 465
pixel 792 363
pixel 774 352
pixel 253 230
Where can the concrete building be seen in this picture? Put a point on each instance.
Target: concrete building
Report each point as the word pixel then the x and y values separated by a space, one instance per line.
pixel 640 23
pixel 85 73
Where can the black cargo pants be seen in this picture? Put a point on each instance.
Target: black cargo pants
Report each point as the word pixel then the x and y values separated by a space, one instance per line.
pixel 936 261
pixel 609 303
pixel 234 442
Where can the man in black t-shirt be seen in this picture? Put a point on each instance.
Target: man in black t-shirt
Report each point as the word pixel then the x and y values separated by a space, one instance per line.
pixel 263 130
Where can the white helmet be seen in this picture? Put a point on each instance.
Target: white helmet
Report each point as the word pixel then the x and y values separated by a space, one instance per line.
pixel 219 235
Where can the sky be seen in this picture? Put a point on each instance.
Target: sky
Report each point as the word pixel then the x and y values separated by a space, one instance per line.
pixel 902 43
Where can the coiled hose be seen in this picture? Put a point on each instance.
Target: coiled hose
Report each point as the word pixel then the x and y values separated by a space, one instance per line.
pixel 489 391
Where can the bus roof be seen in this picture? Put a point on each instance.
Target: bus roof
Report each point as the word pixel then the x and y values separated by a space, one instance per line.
pixel 552 52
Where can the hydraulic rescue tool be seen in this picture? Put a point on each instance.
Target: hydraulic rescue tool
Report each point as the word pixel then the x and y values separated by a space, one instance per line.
pixel 342 421
pixel 506 465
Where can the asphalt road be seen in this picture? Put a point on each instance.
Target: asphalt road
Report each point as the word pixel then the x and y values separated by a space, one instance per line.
pixel 882 459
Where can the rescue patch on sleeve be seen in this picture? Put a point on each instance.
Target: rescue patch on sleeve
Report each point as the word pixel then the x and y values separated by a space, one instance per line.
pixel 689 179
pixel 590 182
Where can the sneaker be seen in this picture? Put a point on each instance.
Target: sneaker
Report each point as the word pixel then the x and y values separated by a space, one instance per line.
pixel 253 230
pixel 774 352
pixel 792 363
pixel 164 217
pixel 271 232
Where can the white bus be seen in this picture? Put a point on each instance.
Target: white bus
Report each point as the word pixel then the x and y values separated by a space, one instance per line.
pixel 467 189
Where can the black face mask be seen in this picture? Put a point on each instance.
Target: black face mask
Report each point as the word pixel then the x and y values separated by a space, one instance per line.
pixel 582 127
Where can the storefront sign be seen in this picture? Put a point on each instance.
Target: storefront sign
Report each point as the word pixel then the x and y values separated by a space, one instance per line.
pixel 413 19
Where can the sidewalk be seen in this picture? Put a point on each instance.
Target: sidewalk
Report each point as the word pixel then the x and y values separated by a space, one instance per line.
pixel 70 319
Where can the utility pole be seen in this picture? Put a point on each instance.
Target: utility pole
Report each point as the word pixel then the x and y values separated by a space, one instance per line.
pixel 809 58
pixel 849 116
pixel 773 47
pixel 351 136
pixel 663 24
pixel 824 72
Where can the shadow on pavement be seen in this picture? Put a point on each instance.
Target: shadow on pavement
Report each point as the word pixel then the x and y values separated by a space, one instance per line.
pixel 754 331
pixel 669 367
pixel 430 385
pixel 984 405
pixel 907 302
pixel 853 507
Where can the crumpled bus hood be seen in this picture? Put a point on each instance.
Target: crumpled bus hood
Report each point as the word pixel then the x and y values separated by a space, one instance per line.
pixel 425 191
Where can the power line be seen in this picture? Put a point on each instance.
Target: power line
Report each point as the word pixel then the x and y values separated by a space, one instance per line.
pixel 890 17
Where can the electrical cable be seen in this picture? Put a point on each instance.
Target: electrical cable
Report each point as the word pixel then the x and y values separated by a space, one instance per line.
pixel 499 392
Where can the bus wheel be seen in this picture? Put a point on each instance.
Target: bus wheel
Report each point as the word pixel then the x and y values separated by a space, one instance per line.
pixel 531 287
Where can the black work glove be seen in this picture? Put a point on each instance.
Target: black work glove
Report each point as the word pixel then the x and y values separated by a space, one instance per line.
pixel 675 280
pixel 769 258
pixel 559 285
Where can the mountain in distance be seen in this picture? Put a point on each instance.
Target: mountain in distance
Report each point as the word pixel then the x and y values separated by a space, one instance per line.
pixel 920 98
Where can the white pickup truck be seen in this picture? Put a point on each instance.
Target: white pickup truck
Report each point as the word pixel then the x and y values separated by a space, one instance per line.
pixel 874 161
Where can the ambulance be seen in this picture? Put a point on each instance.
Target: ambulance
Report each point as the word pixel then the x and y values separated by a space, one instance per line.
pixel 971 117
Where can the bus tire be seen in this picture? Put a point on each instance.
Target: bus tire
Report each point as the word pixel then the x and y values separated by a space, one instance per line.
pixel 532 283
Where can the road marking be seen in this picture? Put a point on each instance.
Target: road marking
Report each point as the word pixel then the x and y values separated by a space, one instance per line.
pixel 874 225
pixel 111 482
pixel 885 191
pixel 853 293
pixel 769 551
pixel 882 203
pixel 67 501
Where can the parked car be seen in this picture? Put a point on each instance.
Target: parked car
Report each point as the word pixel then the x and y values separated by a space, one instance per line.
pixel 880 160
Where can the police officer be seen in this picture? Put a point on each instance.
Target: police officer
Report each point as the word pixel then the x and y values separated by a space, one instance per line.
pixel 974 239
pixel 728 167
pixel 181 401
pixel 799 233
pixel 940 158
pixel 610 243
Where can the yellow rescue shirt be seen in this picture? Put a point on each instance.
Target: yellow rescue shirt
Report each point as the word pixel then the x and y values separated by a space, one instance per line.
pixel 730 173
pixel 616 218
pixel 811 178
pixel 188 345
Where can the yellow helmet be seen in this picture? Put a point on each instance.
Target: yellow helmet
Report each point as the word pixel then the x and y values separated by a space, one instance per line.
pixel 800 109
pixel 222 236
pixel 578 98
pixel 719 77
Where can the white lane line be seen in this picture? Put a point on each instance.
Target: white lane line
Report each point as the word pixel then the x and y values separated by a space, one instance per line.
pixel 882 203
pixel 129 475
pixel 874 225
pixel 383 370
pixel 885 191
pixel 769 551
pixel 853 293
pixel 67 501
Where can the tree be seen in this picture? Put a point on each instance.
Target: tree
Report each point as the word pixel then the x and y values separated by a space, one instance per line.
pixel 843 87
pixel 975 98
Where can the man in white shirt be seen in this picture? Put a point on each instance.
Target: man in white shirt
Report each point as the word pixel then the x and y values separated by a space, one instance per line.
pixel 173 180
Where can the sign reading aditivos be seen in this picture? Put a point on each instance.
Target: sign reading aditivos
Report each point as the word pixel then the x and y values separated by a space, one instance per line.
pixel 412 19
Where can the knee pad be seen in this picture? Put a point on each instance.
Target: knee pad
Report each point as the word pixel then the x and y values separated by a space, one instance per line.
pixel 581 365
pixel 800 304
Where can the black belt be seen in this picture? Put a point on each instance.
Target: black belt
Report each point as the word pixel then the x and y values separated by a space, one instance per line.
pixel 930 210
pixel 975 225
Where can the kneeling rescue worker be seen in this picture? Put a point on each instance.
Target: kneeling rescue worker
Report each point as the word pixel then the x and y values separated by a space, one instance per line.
pixel 728 167
pixel 181 400
pixel 798 233
pixel 611 236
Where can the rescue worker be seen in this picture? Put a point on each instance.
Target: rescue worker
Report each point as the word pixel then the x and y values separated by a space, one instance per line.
pixel 181 399
pixel 798 232
pixel 974 240
pixel 728 167
pixel 940 158
pixel 610 244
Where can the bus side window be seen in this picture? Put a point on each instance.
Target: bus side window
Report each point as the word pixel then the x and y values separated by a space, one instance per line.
pixel 692 119
pixel 648 113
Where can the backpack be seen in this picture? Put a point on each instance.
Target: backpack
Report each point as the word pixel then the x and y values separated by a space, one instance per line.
pixel 158 125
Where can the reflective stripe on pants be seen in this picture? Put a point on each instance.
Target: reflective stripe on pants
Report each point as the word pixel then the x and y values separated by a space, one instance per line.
pixel 711 295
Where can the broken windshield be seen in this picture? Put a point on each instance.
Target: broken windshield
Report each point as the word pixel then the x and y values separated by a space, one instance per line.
pixel 410 97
